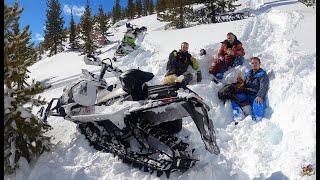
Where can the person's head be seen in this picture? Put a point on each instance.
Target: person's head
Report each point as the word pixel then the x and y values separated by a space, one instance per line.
pixel 231 37
pixel 255 63
pixel 184 47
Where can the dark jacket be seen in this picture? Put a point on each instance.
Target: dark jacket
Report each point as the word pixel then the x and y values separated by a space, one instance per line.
pixel 236 47
pixel 257 84
pixel 179 62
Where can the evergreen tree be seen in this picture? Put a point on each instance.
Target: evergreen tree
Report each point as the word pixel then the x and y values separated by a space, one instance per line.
pixel 231 6
pixel 161 5
pixel 222 6
pixel 212 5
pixel 116 12
pixel 86 27
pixel 177 14
pixel 130 9
pixel 146 4
pixel 54 32
pixel 151 7
pixel 124 13
pixel 139 8
pixel 102 21
pixel 23 134
pixel 72 35
pixel 309 3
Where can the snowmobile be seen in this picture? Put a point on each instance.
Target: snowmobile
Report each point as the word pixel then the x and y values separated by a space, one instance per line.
pixel 137 129
pixel 128 43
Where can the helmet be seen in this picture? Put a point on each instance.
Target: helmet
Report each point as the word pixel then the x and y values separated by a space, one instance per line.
pixel 202 52
pixel 128 25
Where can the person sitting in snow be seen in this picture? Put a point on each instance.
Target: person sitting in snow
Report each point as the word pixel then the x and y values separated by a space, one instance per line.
pixel 252 90
pixel 230 55
pixel 178 64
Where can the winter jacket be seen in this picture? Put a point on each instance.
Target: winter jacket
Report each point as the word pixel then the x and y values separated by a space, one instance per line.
pixel 179 62
pixel 236 48
pixel 129 38
pixel 257 83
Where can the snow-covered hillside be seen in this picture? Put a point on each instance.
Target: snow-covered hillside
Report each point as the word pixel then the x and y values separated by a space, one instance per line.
pixel 282 33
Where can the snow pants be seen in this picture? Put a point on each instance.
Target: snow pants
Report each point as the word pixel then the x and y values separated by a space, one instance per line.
pixel 220 67
pixel 257 108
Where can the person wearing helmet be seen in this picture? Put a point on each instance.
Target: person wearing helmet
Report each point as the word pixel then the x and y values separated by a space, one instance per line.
pixel 130 37
pixel 178 63
pixel 230 55
pixel 128 40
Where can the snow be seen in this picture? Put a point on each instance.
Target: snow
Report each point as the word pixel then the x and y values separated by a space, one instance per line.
pixel 282 33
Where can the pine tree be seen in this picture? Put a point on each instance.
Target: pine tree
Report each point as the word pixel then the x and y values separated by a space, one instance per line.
pixel 177 13
pixel 309 3
pixel 130 9
pixel 54 32
pixel 23 134
pixel 116 12
pixel 139 8
pixel 146 4
pixel 212 5
pixel 72 35
pixel 161 5
pixel 103 21
pixel 124 13
pixel 231 6
pixel 222 6
pixel 151 7
pixel 86 27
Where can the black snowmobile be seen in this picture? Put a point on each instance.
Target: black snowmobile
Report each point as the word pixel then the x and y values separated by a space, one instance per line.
pixel 143 130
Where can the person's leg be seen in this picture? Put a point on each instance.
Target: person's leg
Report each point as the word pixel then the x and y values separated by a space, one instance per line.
pixel 257 109
pixel 187 77
pixel 238 114
pixel 216 67
pixel 238 61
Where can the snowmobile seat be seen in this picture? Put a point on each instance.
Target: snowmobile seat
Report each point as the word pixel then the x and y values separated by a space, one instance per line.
pixel 143 28
pixel 134 83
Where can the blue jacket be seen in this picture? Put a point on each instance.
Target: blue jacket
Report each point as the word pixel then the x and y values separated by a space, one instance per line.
pixel 257 84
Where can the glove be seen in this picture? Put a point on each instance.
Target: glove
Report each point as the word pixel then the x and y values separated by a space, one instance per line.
pixel 220 60
pixel 230 52
pixel 240 87
pixel 193 59
pixel 239 75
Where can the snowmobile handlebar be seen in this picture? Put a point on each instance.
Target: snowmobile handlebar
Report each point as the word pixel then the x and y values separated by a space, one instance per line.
pixel 96 61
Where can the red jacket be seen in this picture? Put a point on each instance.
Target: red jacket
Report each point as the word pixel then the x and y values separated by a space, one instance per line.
pixel 236 48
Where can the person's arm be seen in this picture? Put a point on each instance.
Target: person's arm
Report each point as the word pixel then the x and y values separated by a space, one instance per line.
pixel 194 63
pixel 171 62
pixel 221 52
pixel 239 51
pixel 264 86
pixel 247 89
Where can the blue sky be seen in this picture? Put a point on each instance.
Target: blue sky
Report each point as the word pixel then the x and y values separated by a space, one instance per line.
pixel 34 12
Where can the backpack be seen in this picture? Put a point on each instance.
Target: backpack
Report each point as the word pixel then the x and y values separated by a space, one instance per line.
pixel 227 91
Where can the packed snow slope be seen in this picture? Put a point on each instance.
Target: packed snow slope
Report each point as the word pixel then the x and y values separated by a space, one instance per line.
pixel 282 33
